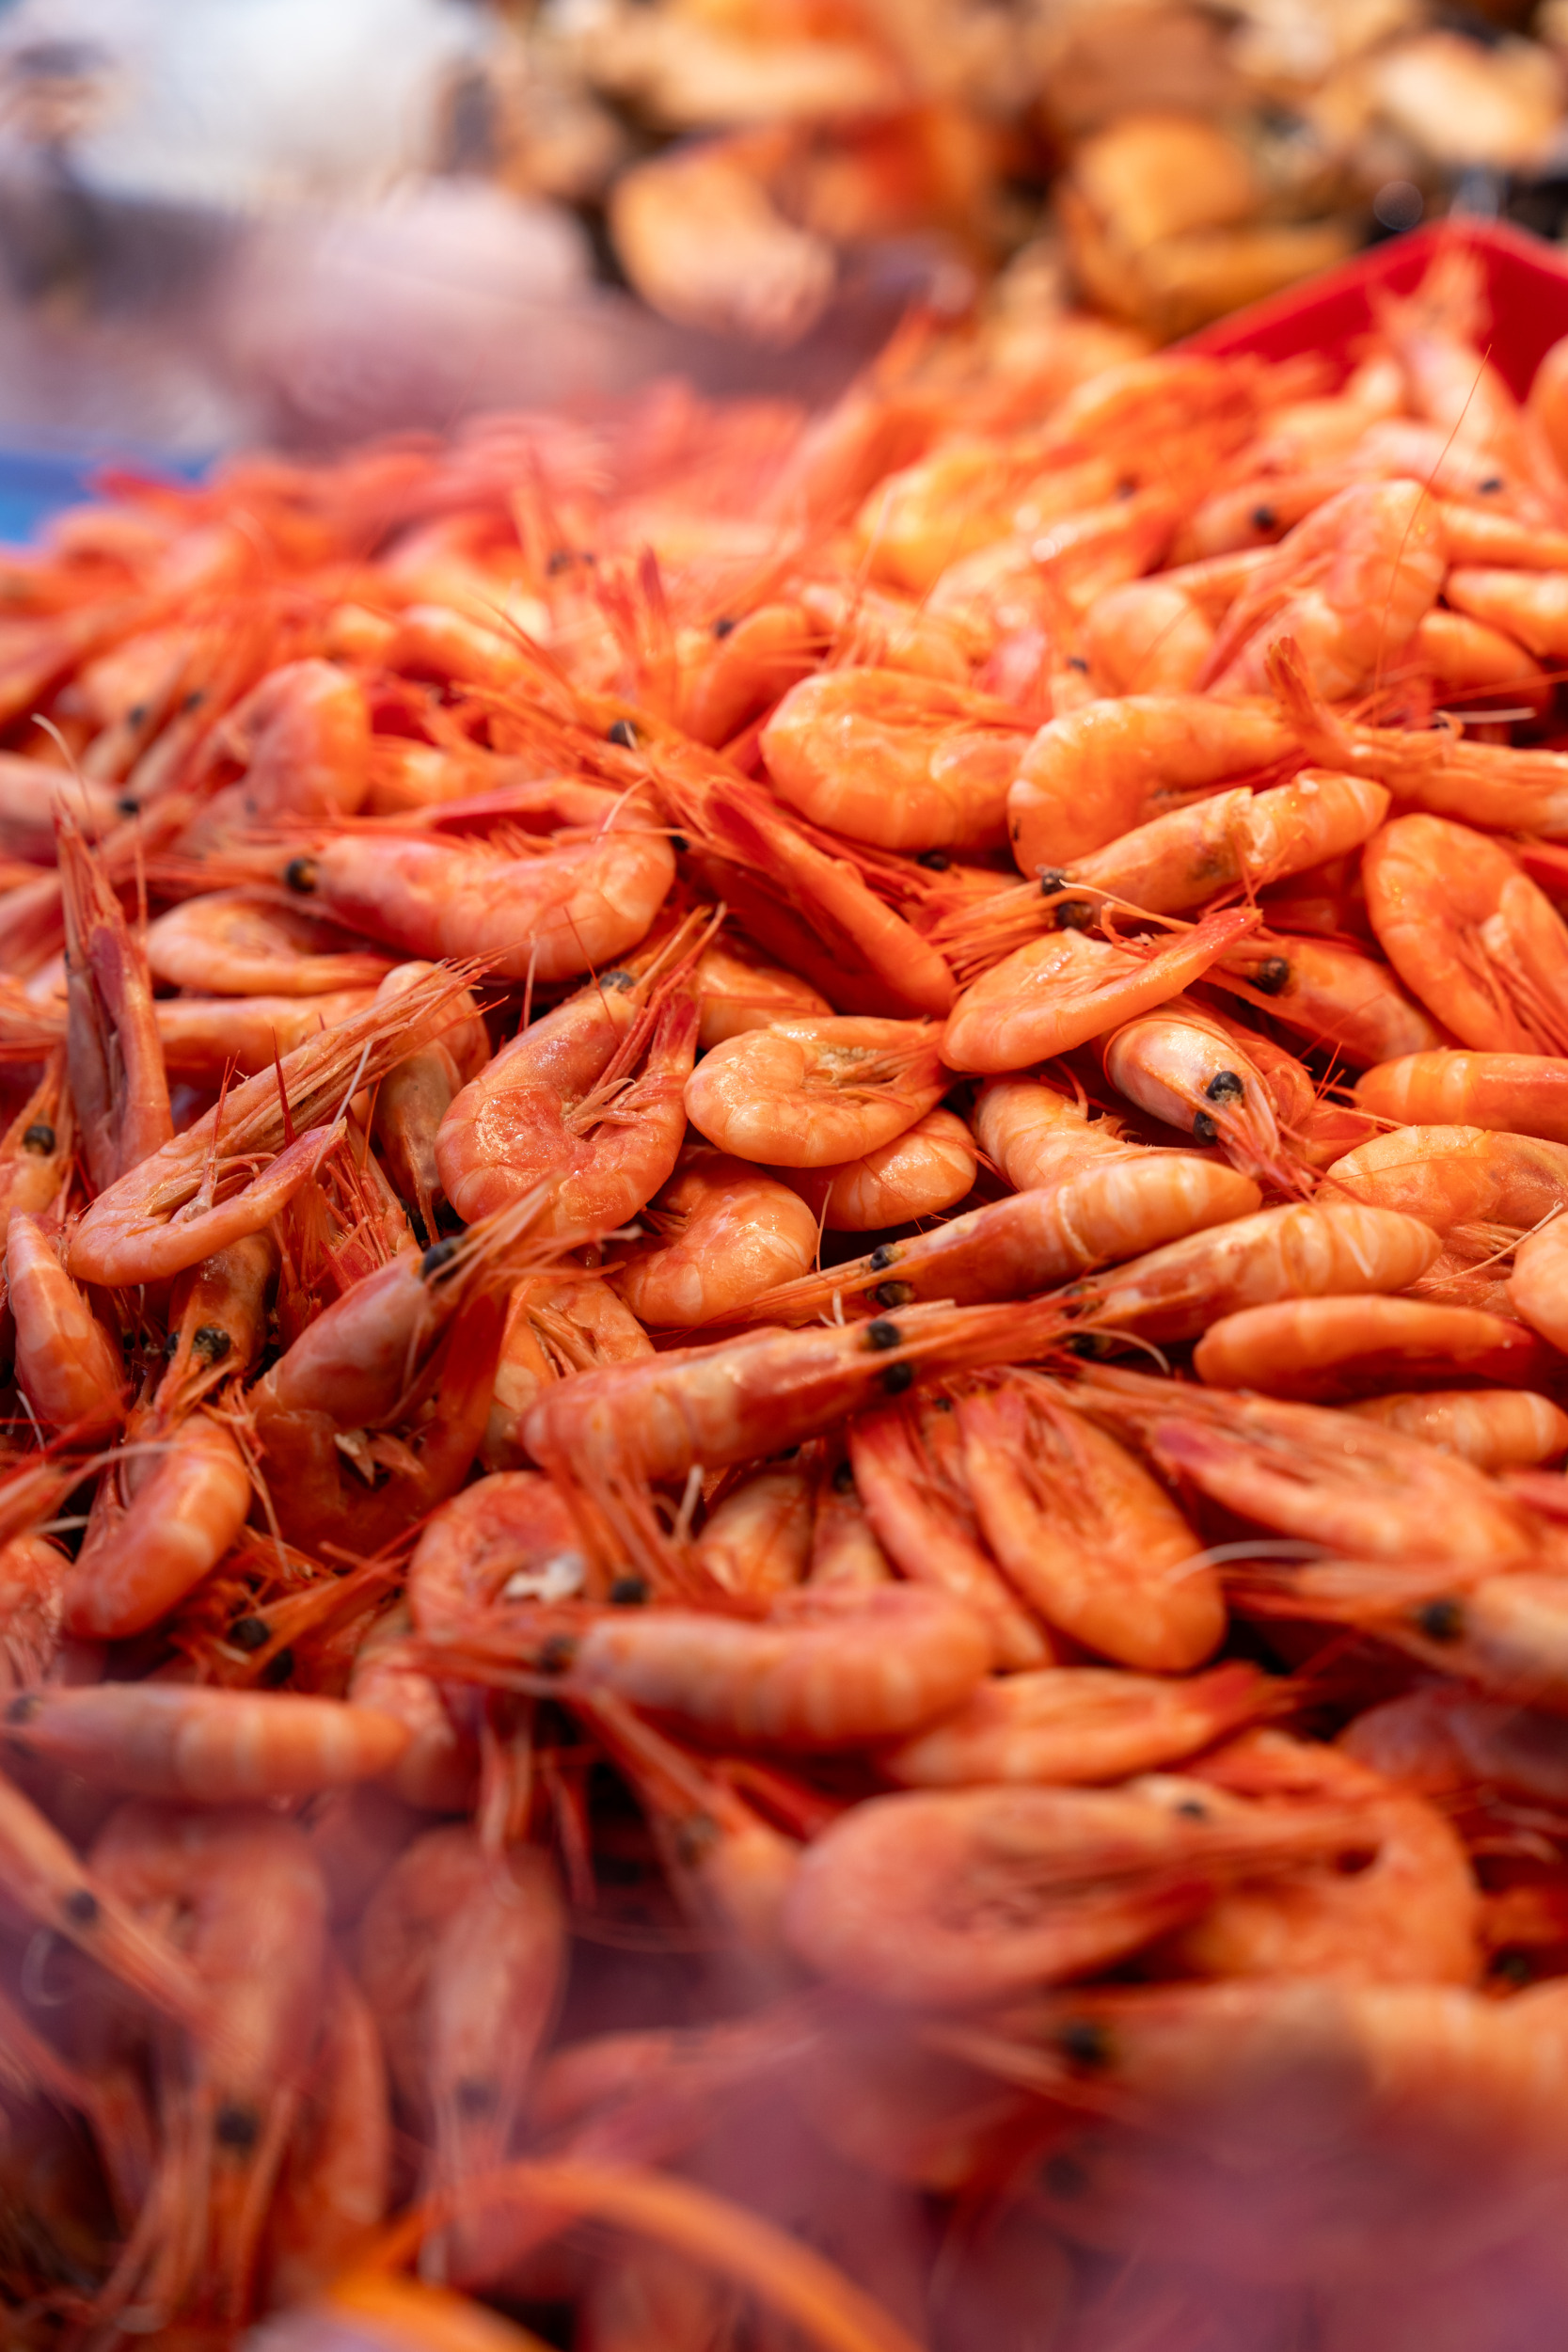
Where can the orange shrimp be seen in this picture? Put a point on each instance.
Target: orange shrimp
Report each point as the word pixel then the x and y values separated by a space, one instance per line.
pixel 1090 777
pixel 556 1324
pixel 163 1518
pixel 438 1769
pixel 335 2182
pixel 735 991
pixel 758 1536
pixel 724 1233
pixel 36 1147
pixel 250 943
pixel 899 760
pixel 32 1571
pixel 204 1747
pixel 1454 1178
pixel 68 1367
pixel 207 1039
pixel 590 1096
pixel 1085 1532
pixel 301 737
pixel 1183 1065
pixel 1037 1136
pixel 118 1085
pixel 1538 1285
pixel 1182 859
pixel 1494 1429
pixel 816 1093
pixel 1522 1094
pixel 926 1171
pixel 1323 1349
pixel 1443 1739
pixel 942 1899
pixel 1469 934
pixel 490 1555
pixel 1067 1726
pixel 1331 995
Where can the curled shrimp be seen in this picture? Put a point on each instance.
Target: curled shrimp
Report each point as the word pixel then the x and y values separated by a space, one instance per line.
pixel 1322 1349
pixel 1072 1726
pixel 1454 1178
pixel 204 1747
pixel 1090 777
pixel 725 1232
pixel 1494 1429
pixel 926 1171
pixel 1182 1065
pixel 302 740
pixel 248 943
pixel 902 761
pixel 1037 1136
pixel 816 1093
pixel 1083 1530
pixel 166 1515
pixel 1469 934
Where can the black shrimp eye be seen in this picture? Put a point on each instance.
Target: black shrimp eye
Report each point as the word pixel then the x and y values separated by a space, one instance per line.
pixel 1191 1809
pixel 843 1483
pixel 81 1907
pixel 249 1633
pixel 236 2127
pixel 723 627
pixel 440 1254
pixel 1074 915
pixel 628 1592
pixel 300 874
pixel 195 699
pixel 24 1708
pixel 210 1342
pixel 558 559
pixel 1225 1087
pixel 623 733
pixel 679 843
pixel 1490 486
pixel 1440 1620
pixel 1203 1129
pixel 1052 881
pixel 1272 975
pixel 136 715
pixel 277 1669
pixel 1076 661
pixel 557 1654
pixel 126 807
pixel 1084 2043
pixel 1064 2177
pixel 1094 1345
pixel 881 1334
pixel 618 981
pixel 934 861
pixel 171 1345
pixel 894 1293
pixel 1263 519
pixel 896 1378
pixel 884 1255
pixel 39 1137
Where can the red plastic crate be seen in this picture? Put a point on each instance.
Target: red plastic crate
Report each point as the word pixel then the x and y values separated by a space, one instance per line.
pixel 1527 281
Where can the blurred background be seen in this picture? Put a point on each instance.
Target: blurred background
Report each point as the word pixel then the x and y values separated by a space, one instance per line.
pixel 227 220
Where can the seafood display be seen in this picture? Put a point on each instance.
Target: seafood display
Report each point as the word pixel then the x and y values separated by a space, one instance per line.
pixel 785 1372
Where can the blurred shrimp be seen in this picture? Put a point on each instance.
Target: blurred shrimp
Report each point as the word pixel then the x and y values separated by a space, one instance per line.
pixel 1147 637
pixel 243 943
pixel 437 1769
pixel 204 1746
pixel 488 1556
pixel 1469 934
pixel 816 1093
pixel 32 1573
pixel 927 1169
pixel 1494 1429
pixel 725 1231
pixel 119 1087
pixel 1465 656
pixel 301 737
pixel 1538 1285
pixel 1071 1725
pixel 899 760
pixel 1085 1532
pixel 164 1517
pixel 335 2182
pixel 756 1539
pixel 1323 1349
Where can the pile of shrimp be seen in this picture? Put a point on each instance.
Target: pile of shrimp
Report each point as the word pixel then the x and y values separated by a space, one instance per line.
pixel 783 1556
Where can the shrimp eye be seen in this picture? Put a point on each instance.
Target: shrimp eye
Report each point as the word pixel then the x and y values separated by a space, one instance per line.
pixel 1053 881
pixel 279 1669
pixel 723 627
pixel 679 843
pixel 235 2126
pixel 210 1342
pixel 1074 915
pixel 1094 1344
pixel 300 874
pixel 623 733
pixel 884 1255
pixel 440 1254
pixel 896 1378
pixel 126 807
pixel 557 1654
pixel 1263 519
pixel 1203 1129
pixel 1440 1620
pixel 1076 661
pixel 1064 2176
pixel 843 1483
pixel 1225 1087
pixel 1191 1810
pixel 194 700
pixel 628 1592
pixel 136 715
pixel 1083 2042
pixel 81 1907
pixel 474 2096
pixel 1491 486
pixel 894 1293
pixel 39 1138
pixel 558 559
pixel 249 1633
pixel 696 1838
pixel 880 1334
pixel 22 1709
pixel 1271 975
pixel 620 981
pixel 1512 1967
pixel 934 861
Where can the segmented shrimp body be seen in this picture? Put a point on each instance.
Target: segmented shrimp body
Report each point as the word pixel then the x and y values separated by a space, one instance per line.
pixel 1494 1429
pixel 1182 1066
pixel 204 1746
pixel 1469 934
pixel 69 1370
pixel 1524 1095
pixel 927 1169
pixel 725 1232
pixel 1322 1349
pixel 1330 996
pixel 1071 1725
pixel 248 943
pixel 816 1093
pixel 902 761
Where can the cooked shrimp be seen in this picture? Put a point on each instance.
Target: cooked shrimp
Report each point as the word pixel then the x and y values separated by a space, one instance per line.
pixel 927 1169
pixel 1494 1429
pixel 204 1747
pixel 725 1232
pixel 248 943
pixel 947 1899
pixel 556 1324
pixel 844 1547
pixel 337 2174
pixel 1085 1532
pixel 163 1518
pixel 1349 584
pixel 1464 657
pixel 816 1093
pixel 165 1215
pixel 1147 637
pixel 1443 1739
pixel 69 1369
pixel 209 1039
pixel 1304 1469
pixel 438 1770
pixel 1061 990
pixel 490 1555
pixel 1524 1094
pixel 964 497
pixel 118 1083
pixel 1183 858
pixel 36 1147
pixel 1539 1283
pixel 1322 1349
pixel 302 740
pixel 590 1096
pixel 734 992
pixel 908 1465
pixel 1457 1177
pixel 1181 1065
pixel 1469 934
pixel 1330 995
pixel 1037 1136
pixel 1072 1726
pixel 32 1569
pixel 1088 779
pixel 756 1539
pixel 902 761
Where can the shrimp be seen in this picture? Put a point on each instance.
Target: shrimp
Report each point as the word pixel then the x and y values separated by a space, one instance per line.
pixel 206 1039
pixel 36 1147
pixel 248 943
pixel 542 911
pixel 1181 1065
pixel 68 1367
pixel 1072 1725
pixel 590 1096
pixel 945 1899
pixel 1436 335
pixel 163 1519
pixel 816 1093
pixel 491 1555
pixel 1538 1285
pixel 843 1546
pixel 1348 585
pixel 1469 934
pixel 1454 1178
pixel 165 1215
pixel 204 1747
pixel 1182 859
pixel 437 1769
pixel 1037 1136
pixel 117 1083
pixel 735 993
pixel 907 1461
pixel 303 739
pixel 1464 657
pixel 1443 1740
pixel 336 2177
pixel 1322 1349
pixel 1085 1532
pixel 725 1232
pixel 556 1324
pixel 1545 404
pixel 1330 995
pixel 1090 777
pixel 1147 637
pixel 756 1539
pixel 1524 1094
pixel 1059 992
pixel 740 668
pixel 902 761
pixel 964 497
pixel 1494 1429
pixel 31 1575
pixel 1305 1470
pixel 926 1171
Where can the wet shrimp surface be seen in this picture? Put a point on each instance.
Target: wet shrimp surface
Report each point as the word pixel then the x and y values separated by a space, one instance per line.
pixel 783 1365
